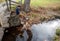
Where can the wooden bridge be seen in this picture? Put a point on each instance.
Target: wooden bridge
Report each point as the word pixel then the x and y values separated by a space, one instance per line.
pixel 10 2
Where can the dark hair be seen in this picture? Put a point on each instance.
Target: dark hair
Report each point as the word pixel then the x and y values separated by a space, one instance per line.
pixel 18 6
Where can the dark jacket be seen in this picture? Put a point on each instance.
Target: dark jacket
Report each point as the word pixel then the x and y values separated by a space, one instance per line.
pixel 17 10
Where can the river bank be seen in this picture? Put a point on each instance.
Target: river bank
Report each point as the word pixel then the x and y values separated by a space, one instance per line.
pixel 38 15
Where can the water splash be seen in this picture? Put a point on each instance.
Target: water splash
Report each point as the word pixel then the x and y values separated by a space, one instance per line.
pixel 43 32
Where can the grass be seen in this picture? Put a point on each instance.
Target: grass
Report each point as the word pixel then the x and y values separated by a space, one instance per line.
pixel 57 36
pixel 37 3
pixel 44 2
pixel 1 1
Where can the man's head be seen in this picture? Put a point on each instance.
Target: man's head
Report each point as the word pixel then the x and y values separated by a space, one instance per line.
pixel 19 6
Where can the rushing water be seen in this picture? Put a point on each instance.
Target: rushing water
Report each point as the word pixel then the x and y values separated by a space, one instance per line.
pixel 42 32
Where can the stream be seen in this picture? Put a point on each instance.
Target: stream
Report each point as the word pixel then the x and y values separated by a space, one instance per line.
pixel 42 32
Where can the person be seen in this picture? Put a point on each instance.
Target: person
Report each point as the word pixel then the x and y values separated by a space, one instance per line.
pixel 18 10
pixel 14 20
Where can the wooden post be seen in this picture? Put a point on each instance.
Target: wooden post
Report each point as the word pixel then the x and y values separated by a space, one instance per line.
pixel 7 4
pixel 10 4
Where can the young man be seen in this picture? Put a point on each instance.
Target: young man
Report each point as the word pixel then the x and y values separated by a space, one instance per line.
pixel 18 10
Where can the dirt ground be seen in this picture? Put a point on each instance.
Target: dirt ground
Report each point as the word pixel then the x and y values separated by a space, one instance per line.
pixel 38 15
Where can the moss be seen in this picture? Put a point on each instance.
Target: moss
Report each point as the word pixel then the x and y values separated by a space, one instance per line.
pixel 57 36
pixel 58 32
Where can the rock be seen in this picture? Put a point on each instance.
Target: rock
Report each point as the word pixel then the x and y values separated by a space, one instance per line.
pixel 57 17
pixel 4 20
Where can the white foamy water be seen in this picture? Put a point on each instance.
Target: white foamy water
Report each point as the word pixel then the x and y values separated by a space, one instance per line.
pixel 42 32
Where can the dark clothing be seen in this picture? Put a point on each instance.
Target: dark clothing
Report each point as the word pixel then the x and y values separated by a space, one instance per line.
pixel 14 21
pixel 17 10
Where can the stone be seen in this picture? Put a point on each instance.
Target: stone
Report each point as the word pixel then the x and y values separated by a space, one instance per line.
pixel 4 20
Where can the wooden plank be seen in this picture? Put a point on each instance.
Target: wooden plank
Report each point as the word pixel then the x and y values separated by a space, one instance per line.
pixel 15 2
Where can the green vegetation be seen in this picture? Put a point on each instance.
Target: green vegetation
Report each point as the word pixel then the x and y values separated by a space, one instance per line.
pixel 38 3
pixel 43 2
pixel 57 36
pixel 58 32
pixel 1 1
